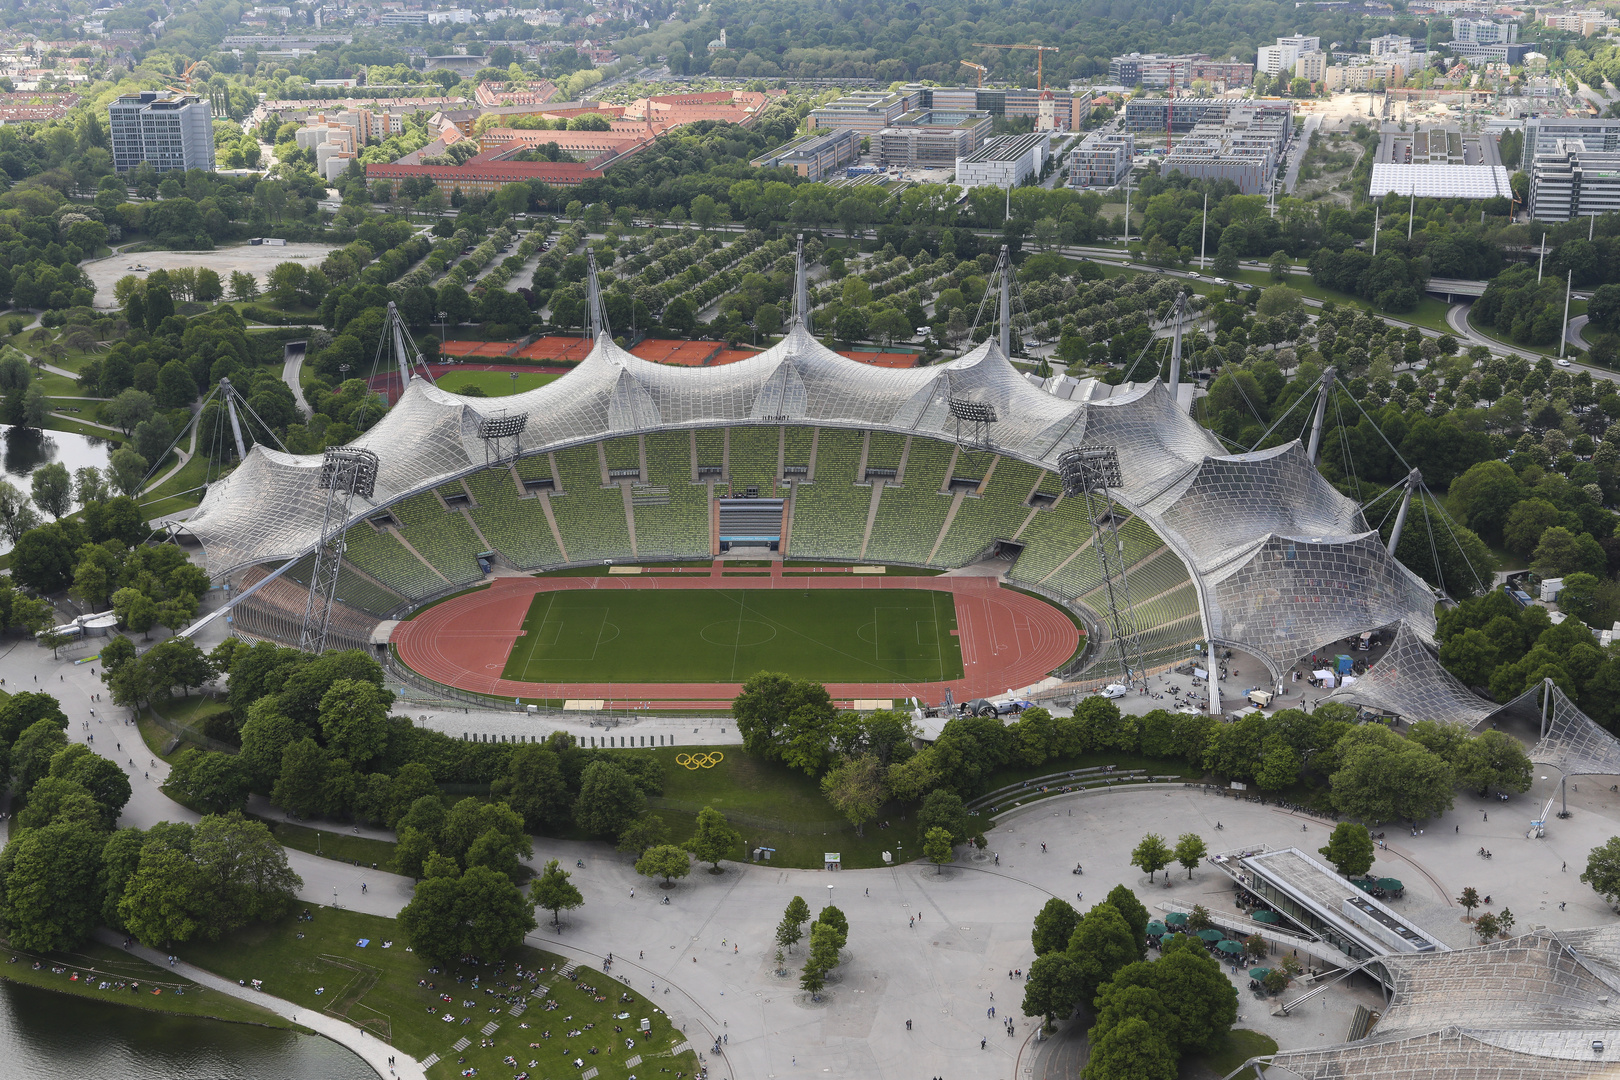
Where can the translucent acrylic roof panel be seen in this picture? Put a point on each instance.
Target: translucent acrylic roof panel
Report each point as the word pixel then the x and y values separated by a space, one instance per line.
pixel 1440 181
pixel 1408 681
pixel 1287 596
pixel 1574 744
pixel 1229 501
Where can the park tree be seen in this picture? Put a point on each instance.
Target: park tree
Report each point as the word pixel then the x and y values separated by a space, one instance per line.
pixel 53 489
pixel 55 800
pixel 1493 759
pixel 714 839
pixel 1101 945
pixel 301 786
pixel 1131 1050
pixel 826 940
pixel 608 800
pixel 789 931
pixel 50 888
pixel 534 786
pixel 648 830
pixel 1136 916
pixel 1349 848
pixel 554 892
pixel 31 754
pixel 1151 854
pixel 164 901
pixel 1055 987
pixel 354 720
pixel 666 861
pixel 1468 900
pixel 1198 1001
pixel 938 849
pixel 100 778
pixel 1054 925
pixel 1603 870
pixel 855 787
pixel 1190 850
pixel 1486 927
pixel 945 810
pixel 1382 777
pixel 243 871
pixel 773 710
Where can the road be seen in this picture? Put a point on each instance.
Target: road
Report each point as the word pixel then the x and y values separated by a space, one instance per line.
pixel 1296 155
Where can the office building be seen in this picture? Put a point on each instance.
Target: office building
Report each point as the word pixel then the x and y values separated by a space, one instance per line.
pixel 1584 23
pixel 1484 32
pixel 1244 147
pixel 166 131
pixel 1275 59
pixel 1005 161
pixel 1364 76
pixel 1179 114
pixel 1573 182
pixel 1438 162
pixel 1068 110
pixel 1311 66
pixel 1102 161
pixel 931 138
pixel 865 112
pixel 1392 44
pixel 1543 134
pixel 1156 71
pixel 1491 50
pixel 814 156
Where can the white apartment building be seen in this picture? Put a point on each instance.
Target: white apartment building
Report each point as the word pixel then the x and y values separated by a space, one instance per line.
pixel 167 131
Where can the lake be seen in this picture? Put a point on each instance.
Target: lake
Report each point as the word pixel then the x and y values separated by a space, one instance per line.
pixel 50 1036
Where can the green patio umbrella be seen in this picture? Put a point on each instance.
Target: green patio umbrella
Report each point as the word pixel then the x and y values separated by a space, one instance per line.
pixel 1231 948
pixel 1259 973
pixel 1389 884
pixel 1176 918
pixel 1264 916
pixel 1156 928
pixel 1363 884
pixel 1209 937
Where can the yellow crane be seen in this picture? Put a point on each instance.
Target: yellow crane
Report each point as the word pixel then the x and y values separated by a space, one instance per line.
pixel 980 68
pixel 182 83
pixel 1038 50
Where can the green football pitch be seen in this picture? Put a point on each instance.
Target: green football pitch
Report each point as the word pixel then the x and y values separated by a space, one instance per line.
pixel 725 635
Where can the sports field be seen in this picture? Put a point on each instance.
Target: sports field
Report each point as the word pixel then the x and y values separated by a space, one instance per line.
pixel 726 635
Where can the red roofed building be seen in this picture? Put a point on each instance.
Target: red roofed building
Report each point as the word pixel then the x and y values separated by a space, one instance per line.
pixel 489 176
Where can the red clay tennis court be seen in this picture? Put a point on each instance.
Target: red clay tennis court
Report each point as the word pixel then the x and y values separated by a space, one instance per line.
pixel 1007 639
pixel 656 350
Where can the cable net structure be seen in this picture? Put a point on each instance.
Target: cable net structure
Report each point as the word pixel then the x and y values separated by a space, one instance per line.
pixel 1293 571
pixel 1570 741
pixel 1528 1007
pixel 1408 681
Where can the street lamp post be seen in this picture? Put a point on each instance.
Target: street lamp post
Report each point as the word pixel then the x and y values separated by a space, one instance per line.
pixel 443 315
pixel 829 895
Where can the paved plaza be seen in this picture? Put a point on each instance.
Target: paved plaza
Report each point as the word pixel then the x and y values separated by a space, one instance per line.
pixel 712 947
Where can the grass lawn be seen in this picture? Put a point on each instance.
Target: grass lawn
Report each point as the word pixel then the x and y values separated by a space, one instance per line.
pixel 1239 1046
pixel 1550 349
pixel 320 965
pixel 754 793
pixel 96 964
pixel 189 712
pixel 57 386
pixel 493 383
pixel 58 422
pixel 722 636
pixel 180 491
pixel 343 847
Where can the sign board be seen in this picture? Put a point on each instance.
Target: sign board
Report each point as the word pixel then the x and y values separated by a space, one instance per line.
pixel 1239 787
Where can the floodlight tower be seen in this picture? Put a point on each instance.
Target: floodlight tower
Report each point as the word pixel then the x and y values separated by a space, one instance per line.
pixel 1089 472
pixel 502 437
pixel 347 472
pixel 978 416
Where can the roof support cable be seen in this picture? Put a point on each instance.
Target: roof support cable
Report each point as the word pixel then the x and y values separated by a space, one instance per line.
pixel 1445 519
pixel 1434 552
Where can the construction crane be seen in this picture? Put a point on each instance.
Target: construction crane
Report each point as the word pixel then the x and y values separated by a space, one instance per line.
pixel 182 83
pixel 1038 50
pixel 980 68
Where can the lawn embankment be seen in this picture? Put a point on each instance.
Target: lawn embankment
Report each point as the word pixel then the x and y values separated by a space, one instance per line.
pixel 112 975
pixel 336 962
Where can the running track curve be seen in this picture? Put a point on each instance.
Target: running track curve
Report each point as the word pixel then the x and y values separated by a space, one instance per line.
pixel 1008 639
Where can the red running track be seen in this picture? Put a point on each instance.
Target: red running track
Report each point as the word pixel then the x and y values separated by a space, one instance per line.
pixel 1007 639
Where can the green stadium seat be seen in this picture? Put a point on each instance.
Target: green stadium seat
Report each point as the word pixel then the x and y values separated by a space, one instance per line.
pixel 829 516
pixel 909 516
pixel 516 526
pixel 589 516
pixel 442 536
pixel 994 515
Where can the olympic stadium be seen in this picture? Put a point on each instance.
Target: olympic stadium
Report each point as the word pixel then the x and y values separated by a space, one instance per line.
pixel 819 458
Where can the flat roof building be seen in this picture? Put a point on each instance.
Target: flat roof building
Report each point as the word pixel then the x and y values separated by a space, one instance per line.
pixel 1102 161
pixel 1156 71
pixel 931 138
pixel 1542 134
pixel 1069 110
pixel 1184 114
pixel 1005 161
pixel 1317 899
pixel 1244 147
pixel 814 156
pixel 1574 182
pixel 866 112
pixel 487 177
pixel 166 131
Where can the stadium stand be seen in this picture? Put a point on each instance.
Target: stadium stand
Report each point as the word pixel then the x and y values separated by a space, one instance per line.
pixel 442 536
pixel 909 516
pixel 276 613
pixel 589 516
pixel 1050 538
pixel 753 459
pixel 534 467
pixel 517 527
pixel 885 450
pixel 711 452
pixel 994 515
pixel 1157 574
pixel 672 513
pixel 796 448
pixel 829 516
pixel 380 554
pixel 623 453
pixel 353 589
